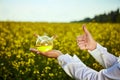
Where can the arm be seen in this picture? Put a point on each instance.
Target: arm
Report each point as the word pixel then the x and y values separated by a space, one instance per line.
pixel 100 53
pixel 103 56
pixel 113 72
pixel 75 68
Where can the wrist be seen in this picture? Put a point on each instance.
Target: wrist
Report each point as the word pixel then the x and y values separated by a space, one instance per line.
pixel 93 46
pixel 59 53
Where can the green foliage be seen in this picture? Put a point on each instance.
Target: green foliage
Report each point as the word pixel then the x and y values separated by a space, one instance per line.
pixel 18 63
pixel 111 17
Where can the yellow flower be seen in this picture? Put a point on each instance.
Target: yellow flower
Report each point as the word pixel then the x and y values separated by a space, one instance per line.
pixel 51 74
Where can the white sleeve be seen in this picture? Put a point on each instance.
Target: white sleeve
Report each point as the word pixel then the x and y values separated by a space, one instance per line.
pixel 113 72
pixel 103 56
pixel 74 67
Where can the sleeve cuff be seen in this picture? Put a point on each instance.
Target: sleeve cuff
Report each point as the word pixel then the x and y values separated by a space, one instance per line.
pixel 66 59
pixel 97 50
pixel 97 54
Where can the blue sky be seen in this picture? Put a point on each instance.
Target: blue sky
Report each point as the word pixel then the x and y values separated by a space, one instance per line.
pixel 54 10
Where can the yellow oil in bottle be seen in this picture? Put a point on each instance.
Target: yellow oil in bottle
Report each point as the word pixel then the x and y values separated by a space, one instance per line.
pixel 45 48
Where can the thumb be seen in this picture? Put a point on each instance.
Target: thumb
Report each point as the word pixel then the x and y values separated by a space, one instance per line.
pixel 85 30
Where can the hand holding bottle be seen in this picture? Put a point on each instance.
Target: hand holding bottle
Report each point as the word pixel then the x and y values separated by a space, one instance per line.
pixel 44 45
pixel 51 53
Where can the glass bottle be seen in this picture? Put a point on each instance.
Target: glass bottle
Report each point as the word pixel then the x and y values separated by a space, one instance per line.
pixel 44 43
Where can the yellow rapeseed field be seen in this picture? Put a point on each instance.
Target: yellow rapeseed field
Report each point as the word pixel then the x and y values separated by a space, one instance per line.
pixel 18 63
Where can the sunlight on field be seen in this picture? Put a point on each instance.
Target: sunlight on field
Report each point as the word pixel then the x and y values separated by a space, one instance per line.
pixel 17 62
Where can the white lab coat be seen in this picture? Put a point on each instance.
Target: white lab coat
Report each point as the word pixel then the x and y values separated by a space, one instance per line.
pixel 75 68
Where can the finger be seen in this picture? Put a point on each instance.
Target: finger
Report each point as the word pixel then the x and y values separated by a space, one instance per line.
pixel 82 46
pixel 81 42
pixel 38 52
pixel 36 35
pixel 80 38
pixel 85 30
pixel 54 36
pixel 86 45
pixel 33 50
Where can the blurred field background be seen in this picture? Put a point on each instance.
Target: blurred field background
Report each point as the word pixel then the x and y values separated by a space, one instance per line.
pixel 20 19
pixel 18 63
